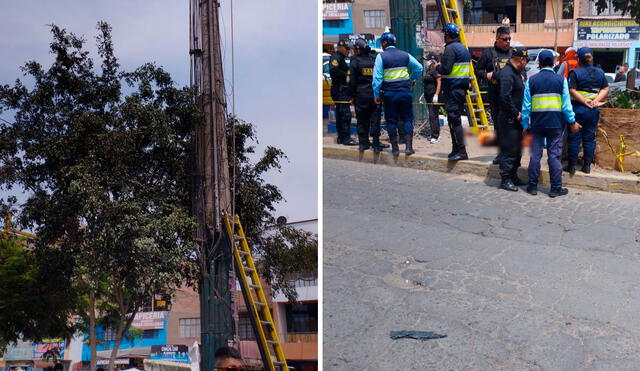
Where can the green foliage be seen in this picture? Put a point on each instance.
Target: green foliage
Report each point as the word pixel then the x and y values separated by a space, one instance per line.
pixel 35 300
pixel 630 7
pixel 283 251
pixel 623 99
pixel 107 172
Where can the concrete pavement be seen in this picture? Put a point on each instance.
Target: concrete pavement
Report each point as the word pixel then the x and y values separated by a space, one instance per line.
pixel 516 282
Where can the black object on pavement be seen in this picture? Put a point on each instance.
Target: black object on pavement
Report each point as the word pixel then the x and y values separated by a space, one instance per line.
pixel 417 335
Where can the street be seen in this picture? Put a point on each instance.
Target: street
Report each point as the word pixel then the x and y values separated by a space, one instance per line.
pixel 514 281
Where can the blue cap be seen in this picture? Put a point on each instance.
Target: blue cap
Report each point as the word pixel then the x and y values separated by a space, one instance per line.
pixel 545 57
pixel 584 51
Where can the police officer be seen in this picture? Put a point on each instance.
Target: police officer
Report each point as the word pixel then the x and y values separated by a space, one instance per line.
pixel 511 87
pixel 493 60
pixel 588 86
pixel 361 91
pixel 545 109
pixel 339 71
pixel 454 68
pixel 394 73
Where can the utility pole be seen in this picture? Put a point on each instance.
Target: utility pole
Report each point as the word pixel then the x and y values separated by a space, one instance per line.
pixel 211 194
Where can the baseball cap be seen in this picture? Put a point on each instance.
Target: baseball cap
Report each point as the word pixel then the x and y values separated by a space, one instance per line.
pixel 519 51
pixel 584 51
pixel 545 57
pixel 344 43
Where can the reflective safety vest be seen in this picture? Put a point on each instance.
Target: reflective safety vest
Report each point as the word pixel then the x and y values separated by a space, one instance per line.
pixel 546 100
pixel 459 76
pixel 588 81
pixel 395 70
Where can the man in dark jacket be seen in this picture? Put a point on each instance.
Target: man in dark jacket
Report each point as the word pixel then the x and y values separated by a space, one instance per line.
pixel 361 91
pixel 339 71
pixel 494 59
pixel 511 86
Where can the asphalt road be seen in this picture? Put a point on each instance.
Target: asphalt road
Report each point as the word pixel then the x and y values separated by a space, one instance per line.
pixel 515 282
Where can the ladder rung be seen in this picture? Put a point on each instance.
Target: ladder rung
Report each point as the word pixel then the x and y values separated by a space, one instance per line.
pixel 253 286
pixel 478 110
pixel 260 304
pixel 250 270
pixel 279 363
pixel 272 341
pixel 452 10
pixel 238 238
pixel 266 323
pixel 482 126
pixel 243 253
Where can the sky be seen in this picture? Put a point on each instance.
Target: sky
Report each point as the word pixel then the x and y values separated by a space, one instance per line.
pixel 276 63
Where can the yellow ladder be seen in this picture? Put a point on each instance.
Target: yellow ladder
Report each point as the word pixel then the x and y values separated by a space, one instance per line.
pixel 478 116
pixel 263 326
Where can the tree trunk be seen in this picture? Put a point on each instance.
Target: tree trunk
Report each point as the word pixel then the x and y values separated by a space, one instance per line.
pixel 92 330
pixel 122 328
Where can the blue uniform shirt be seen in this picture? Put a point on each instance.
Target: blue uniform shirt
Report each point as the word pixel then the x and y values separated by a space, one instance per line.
pixel 567 109
pixel 415 69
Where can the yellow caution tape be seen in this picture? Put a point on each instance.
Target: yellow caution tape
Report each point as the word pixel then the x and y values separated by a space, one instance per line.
pixel 620 154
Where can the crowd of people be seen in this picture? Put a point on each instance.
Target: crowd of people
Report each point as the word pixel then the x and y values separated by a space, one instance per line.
pixel 564 97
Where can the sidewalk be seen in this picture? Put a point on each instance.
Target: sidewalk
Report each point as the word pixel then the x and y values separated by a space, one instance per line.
pixel 434 157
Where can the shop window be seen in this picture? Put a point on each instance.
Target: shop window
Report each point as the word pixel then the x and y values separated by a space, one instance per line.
pixel 150 334
pixel 567 9
pixel 189 327
pixel 245 330
pixel 334 23
pixel 533 11
pixel 432 18
pixel 302 318
pixel 593 10
pixel 490 11
pixel 374 18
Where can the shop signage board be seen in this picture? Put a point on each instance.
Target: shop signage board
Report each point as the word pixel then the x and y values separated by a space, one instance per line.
pixel 40 350
pixel 149 320
pixel 608 29
pixel 173 353
pixel 368 37
pixel 335 11
pixel 604 44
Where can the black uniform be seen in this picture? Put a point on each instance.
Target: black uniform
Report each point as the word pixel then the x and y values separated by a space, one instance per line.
pixel 492 60
pixel 339 71
pixel 511 84
pixel 361 90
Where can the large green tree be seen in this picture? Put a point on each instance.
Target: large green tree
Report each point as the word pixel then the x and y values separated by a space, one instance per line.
pixel 106 172
pixel 630 7
pixel 104 157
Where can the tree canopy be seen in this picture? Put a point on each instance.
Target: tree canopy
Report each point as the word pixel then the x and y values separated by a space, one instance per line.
pixel 630 7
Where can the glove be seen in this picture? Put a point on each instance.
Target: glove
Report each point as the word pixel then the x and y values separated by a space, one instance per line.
pixel 435 99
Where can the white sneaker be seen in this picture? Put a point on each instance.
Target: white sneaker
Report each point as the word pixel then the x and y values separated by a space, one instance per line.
pixel 434 140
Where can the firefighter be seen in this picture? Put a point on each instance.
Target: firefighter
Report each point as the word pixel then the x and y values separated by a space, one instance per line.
pixel 494 59
pixel 394 73
pixel 361 92
pixel 545 109
pixel 511 86
pixel 454 68
pixel 339 71
pixel 588 87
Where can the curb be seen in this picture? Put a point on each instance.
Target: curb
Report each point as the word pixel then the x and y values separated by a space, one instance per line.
pixel 599 182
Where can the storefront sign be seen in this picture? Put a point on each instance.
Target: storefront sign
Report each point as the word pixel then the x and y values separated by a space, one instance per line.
pixel 604 44
pixel 117 361
pixel 335 11
pixel 49 347
pixel 173 353
pixel 608 29
pixel 149 320
pixel 20 352
pixel 368 37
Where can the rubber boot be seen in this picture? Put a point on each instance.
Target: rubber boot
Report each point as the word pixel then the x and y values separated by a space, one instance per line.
pixel 409 148
pixel 395 150
pixel 376 146
pixel 586 165
pixel 571 166
pixel 363 143
pixel 508 185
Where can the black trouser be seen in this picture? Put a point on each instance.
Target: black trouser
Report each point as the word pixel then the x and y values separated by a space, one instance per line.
pixel 494 108
pixel 432 111
pixel 510 146
pixel 368 117
pixel 343 120
pixel 453 104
